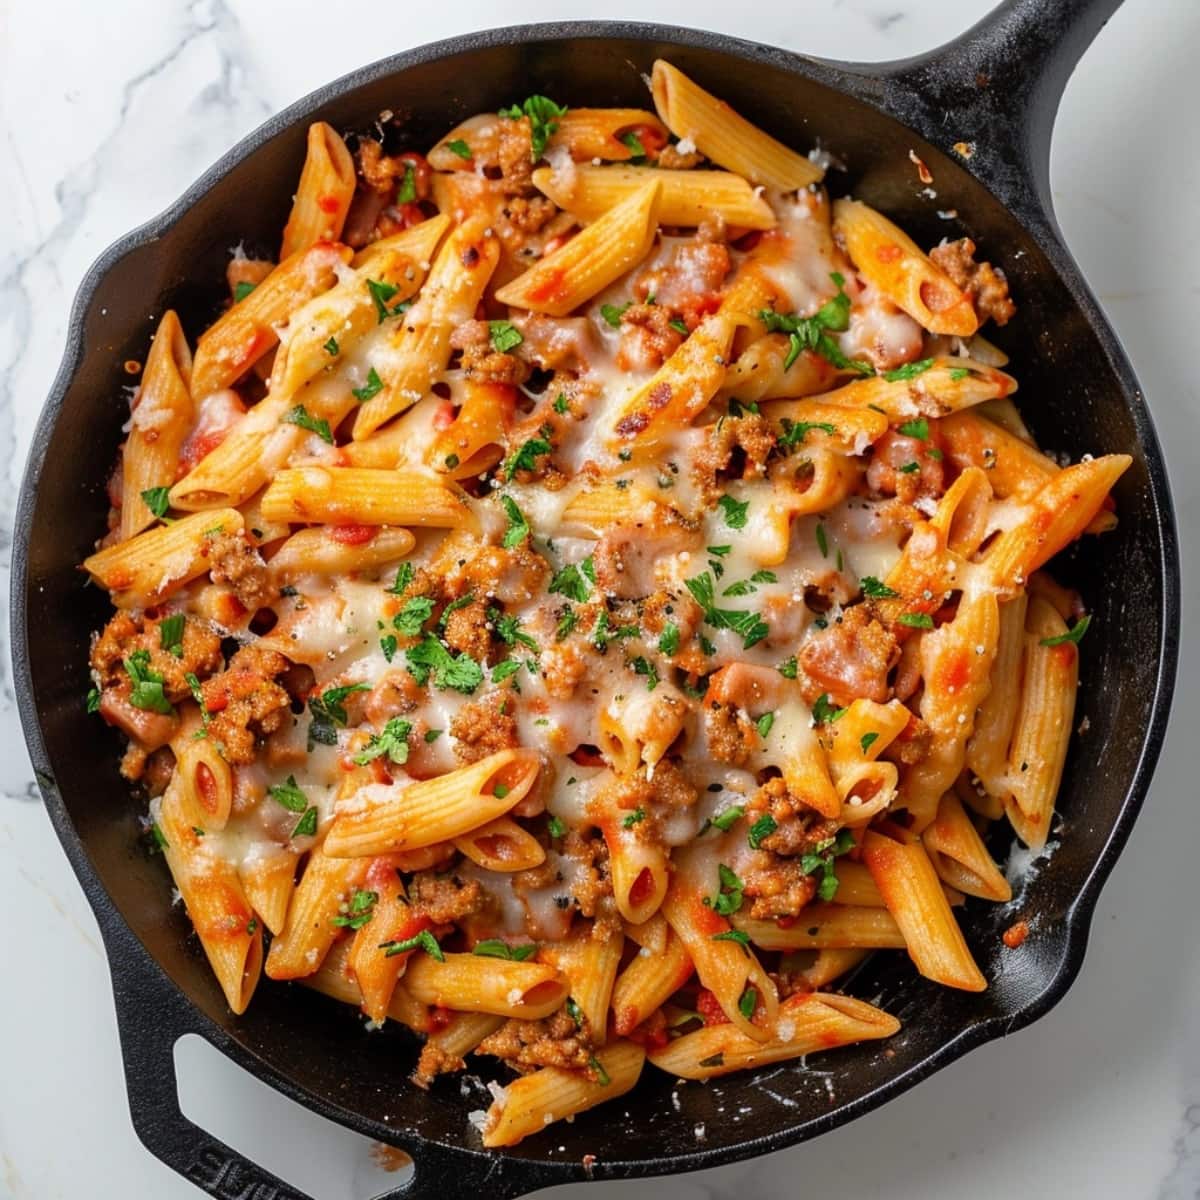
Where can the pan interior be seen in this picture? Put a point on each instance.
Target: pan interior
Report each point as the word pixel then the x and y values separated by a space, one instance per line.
pixel 1069 395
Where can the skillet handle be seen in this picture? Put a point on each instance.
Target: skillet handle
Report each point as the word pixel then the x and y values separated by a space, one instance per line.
pixel 152 1015
pixel 996 87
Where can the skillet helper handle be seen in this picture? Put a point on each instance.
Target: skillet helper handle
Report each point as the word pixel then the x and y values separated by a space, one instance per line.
pixel 996 88
pixel 152 1015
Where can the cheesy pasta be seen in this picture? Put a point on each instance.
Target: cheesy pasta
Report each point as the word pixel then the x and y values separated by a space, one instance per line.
pixel 587 596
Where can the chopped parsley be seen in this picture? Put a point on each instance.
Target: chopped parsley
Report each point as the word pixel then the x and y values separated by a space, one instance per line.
pixel 612 313
pixel 958 373
pixel 868 740
pixel 556 827
pixel 459 673
pixel 575 580
pixel 748 625
pixel 713 1060
pixel 733 935
pixel 824 712
pixel 908 371
pixel 160 838
pixel 727 818
pixel 909 468
pixel 289 795
pixel 432 735
pixel 748 1002
pixel 525 459
pixel 543 123
pixel 242 290
pixel 602 1076
pixel 372 387
pixel 764 723
pixel 762 828
pixel 566 623
pixel 634 143
pixel 332 348
pixel 359 912
pixel 92 703
pixel 561 404
pixel 734 511
pixel 156 500
pixel 170 634
pixel 679 326
pixel 147 692
pixel 822 540
pixel 504 335
pixel 729 895
pixel 794 432
pixel 915 620
pixel 643 666
pixel 381 293
pixel 307 825
pixel 788 668
pixel 404 576
pixel 518 527
pixel 505 670
pixel 1074 635
pixel 634 818
pixel 459 147
pixel 916 429
pixel 821 857
pixel 299 415
pixel 393 742
pixel 719 551
pixel 668 642
pixel 453 607
pixel 495 948
pixel 328 711
pixel 419 941
pixel 813 333
pixel 508 630
pixel 876 589
pixel 387 644
pixel 406 193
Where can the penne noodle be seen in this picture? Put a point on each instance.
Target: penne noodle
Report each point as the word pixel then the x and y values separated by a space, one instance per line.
pixel 959 856
pixel 324 193
pixel 827 927
pixel 362 496
pixel 719 133
pixel 473 983
pixel 646 984
pixel 318 551
pixel 501 845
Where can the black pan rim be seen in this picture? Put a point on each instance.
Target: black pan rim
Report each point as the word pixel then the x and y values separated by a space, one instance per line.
pixel 112 922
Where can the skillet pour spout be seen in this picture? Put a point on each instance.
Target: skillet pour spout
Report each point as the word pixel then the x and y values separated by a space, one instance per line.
pixel 995 89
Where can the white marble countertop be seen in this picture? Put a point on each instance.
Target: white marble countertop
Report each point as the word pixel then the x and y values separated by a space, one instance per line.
pixel 110 110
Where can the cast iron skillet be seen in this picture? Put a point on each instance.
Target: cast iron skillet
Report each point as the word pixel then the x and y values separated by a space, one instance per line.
pixel 997 86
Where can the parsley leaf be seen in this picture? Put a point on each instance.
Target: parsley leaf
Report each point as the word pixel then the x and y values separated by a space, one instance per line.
pixel 542 114
pixel 505 336
pixel 359 912
pixel 821 857
pixel 748 1002
pixel 915 620
pixel 170 633
pixel 404 576
pixel 495 948
pixel 634 143
pixel 331 347
pixel 762 828
pixel 406 193
pixel 679 326
pixel 876 589
pixel 822 540
pixel 868 740
pixel 459 673
pixel 733 935
pixel 566 623
pixel 824 712
pixel 749 625
pixel 459 147
pixel 729 895
pixel 393 742
pixel 734 511
pixel 764 723
pixel 908 371
pixel 643 666
pixel 372 387
pixel 147 692
pixel 242 290
pixel 575 580
pixel 561 404
pixel 92 703
pixel 1074 635
pixel 612 313
pixel 302 417
pixel 518 527
pixel 788 668
pixel 525 459
pixel 916 429
pixel 727 818
pixel 634 818
pixel 387 644
pixel 812 333
pixel 668 642
pixel 794 432
pixel 958 373
pixel 156 500
pixel 381 293
pixel 505 670
pixel 909 468
pixel 419 941
pixel 289 795
pixel 508 630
